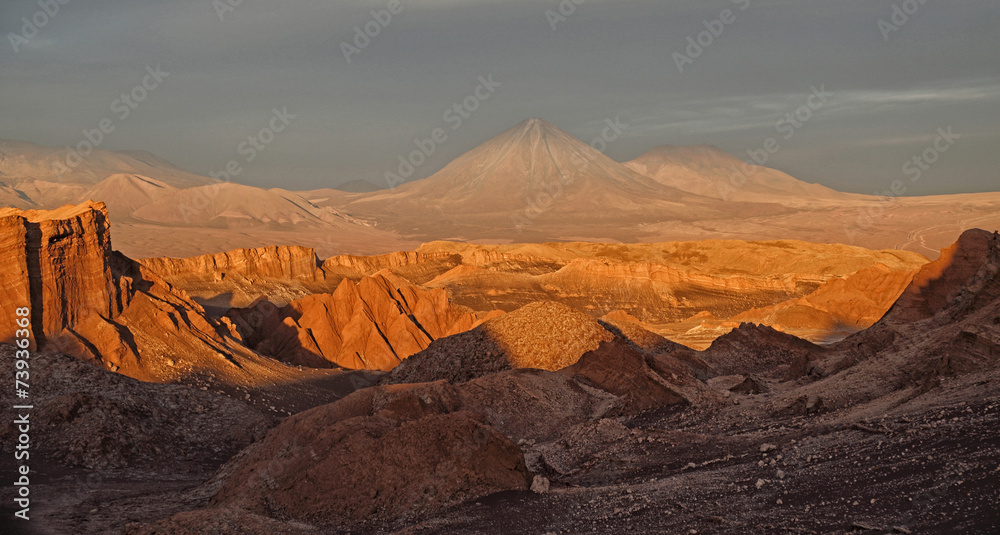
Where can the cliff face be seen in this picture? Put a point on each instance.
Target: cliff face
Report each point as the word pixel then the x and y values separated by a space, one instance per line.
pixel 59 264
pixel 104 308
pixel 290 263
pixel 416 267
pixel 380 262
pixel 15 287
pixel 239 278
pixel 373 324
pixel 295 263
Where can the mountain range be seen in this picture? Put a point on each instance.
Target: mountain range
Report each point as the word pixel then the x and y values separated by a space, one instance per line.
pixel 533 183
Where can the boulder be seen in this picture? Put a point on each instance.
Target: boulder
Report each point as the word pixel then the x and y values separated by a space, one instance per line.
pixel 378 455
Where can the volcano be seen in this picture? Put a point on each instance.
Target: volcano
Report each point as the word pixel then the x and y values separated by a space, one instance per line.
pixel 709 171
pixel 536 176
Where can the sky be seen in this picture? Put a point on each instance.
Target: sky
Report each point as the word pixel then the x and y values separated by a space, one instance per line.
pixel 869 84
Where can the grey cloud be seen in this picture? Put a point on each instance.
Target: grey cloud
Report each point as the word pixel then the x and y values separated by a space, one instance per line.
pixel 609 58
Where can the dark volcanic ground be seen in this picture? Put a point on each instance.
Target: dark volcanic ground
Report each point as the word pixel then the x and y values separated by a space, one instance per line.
pixel 905 463
pixel 929 466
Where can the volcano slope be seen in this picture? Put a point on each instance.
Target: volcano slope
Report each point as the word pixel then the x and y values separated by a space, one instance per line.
pixel 892 430
pixel 537 182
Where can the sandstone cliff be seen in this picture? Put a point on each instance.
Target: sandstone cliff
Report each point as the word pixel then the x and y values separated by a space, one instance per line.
pixel 58 264
pixel 290 263
pixel 240 277
pixel 414 266
pixel 102 307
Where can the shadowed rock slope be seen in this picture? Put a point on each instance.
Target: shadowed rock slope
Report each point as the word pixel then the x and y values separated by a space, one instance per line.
pixel 955 274
pixel 421 453
pixel 88 417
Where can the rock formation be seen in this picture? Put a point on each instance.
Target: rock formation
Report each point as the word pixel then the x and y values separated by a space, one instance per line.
pixel 281 274
pixel 816 291
pixel 839 306
pixel 416 267
pixel 543 335
pixel 378 454
pixel 372 325
pixel 409 451
pixel 937 284
pixel 59 265
pixel 759 350
pixel 635 436
pixel 102 307
pixel 288 263
pixel 629 329
pixel 626 372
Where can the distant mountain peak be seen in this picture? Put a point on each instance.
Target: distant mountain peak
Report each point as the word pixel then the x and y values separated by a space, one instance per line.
pixel 529 159
pixel 678 152
pixel 536 123
pixel 710 171
pixel 530 132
